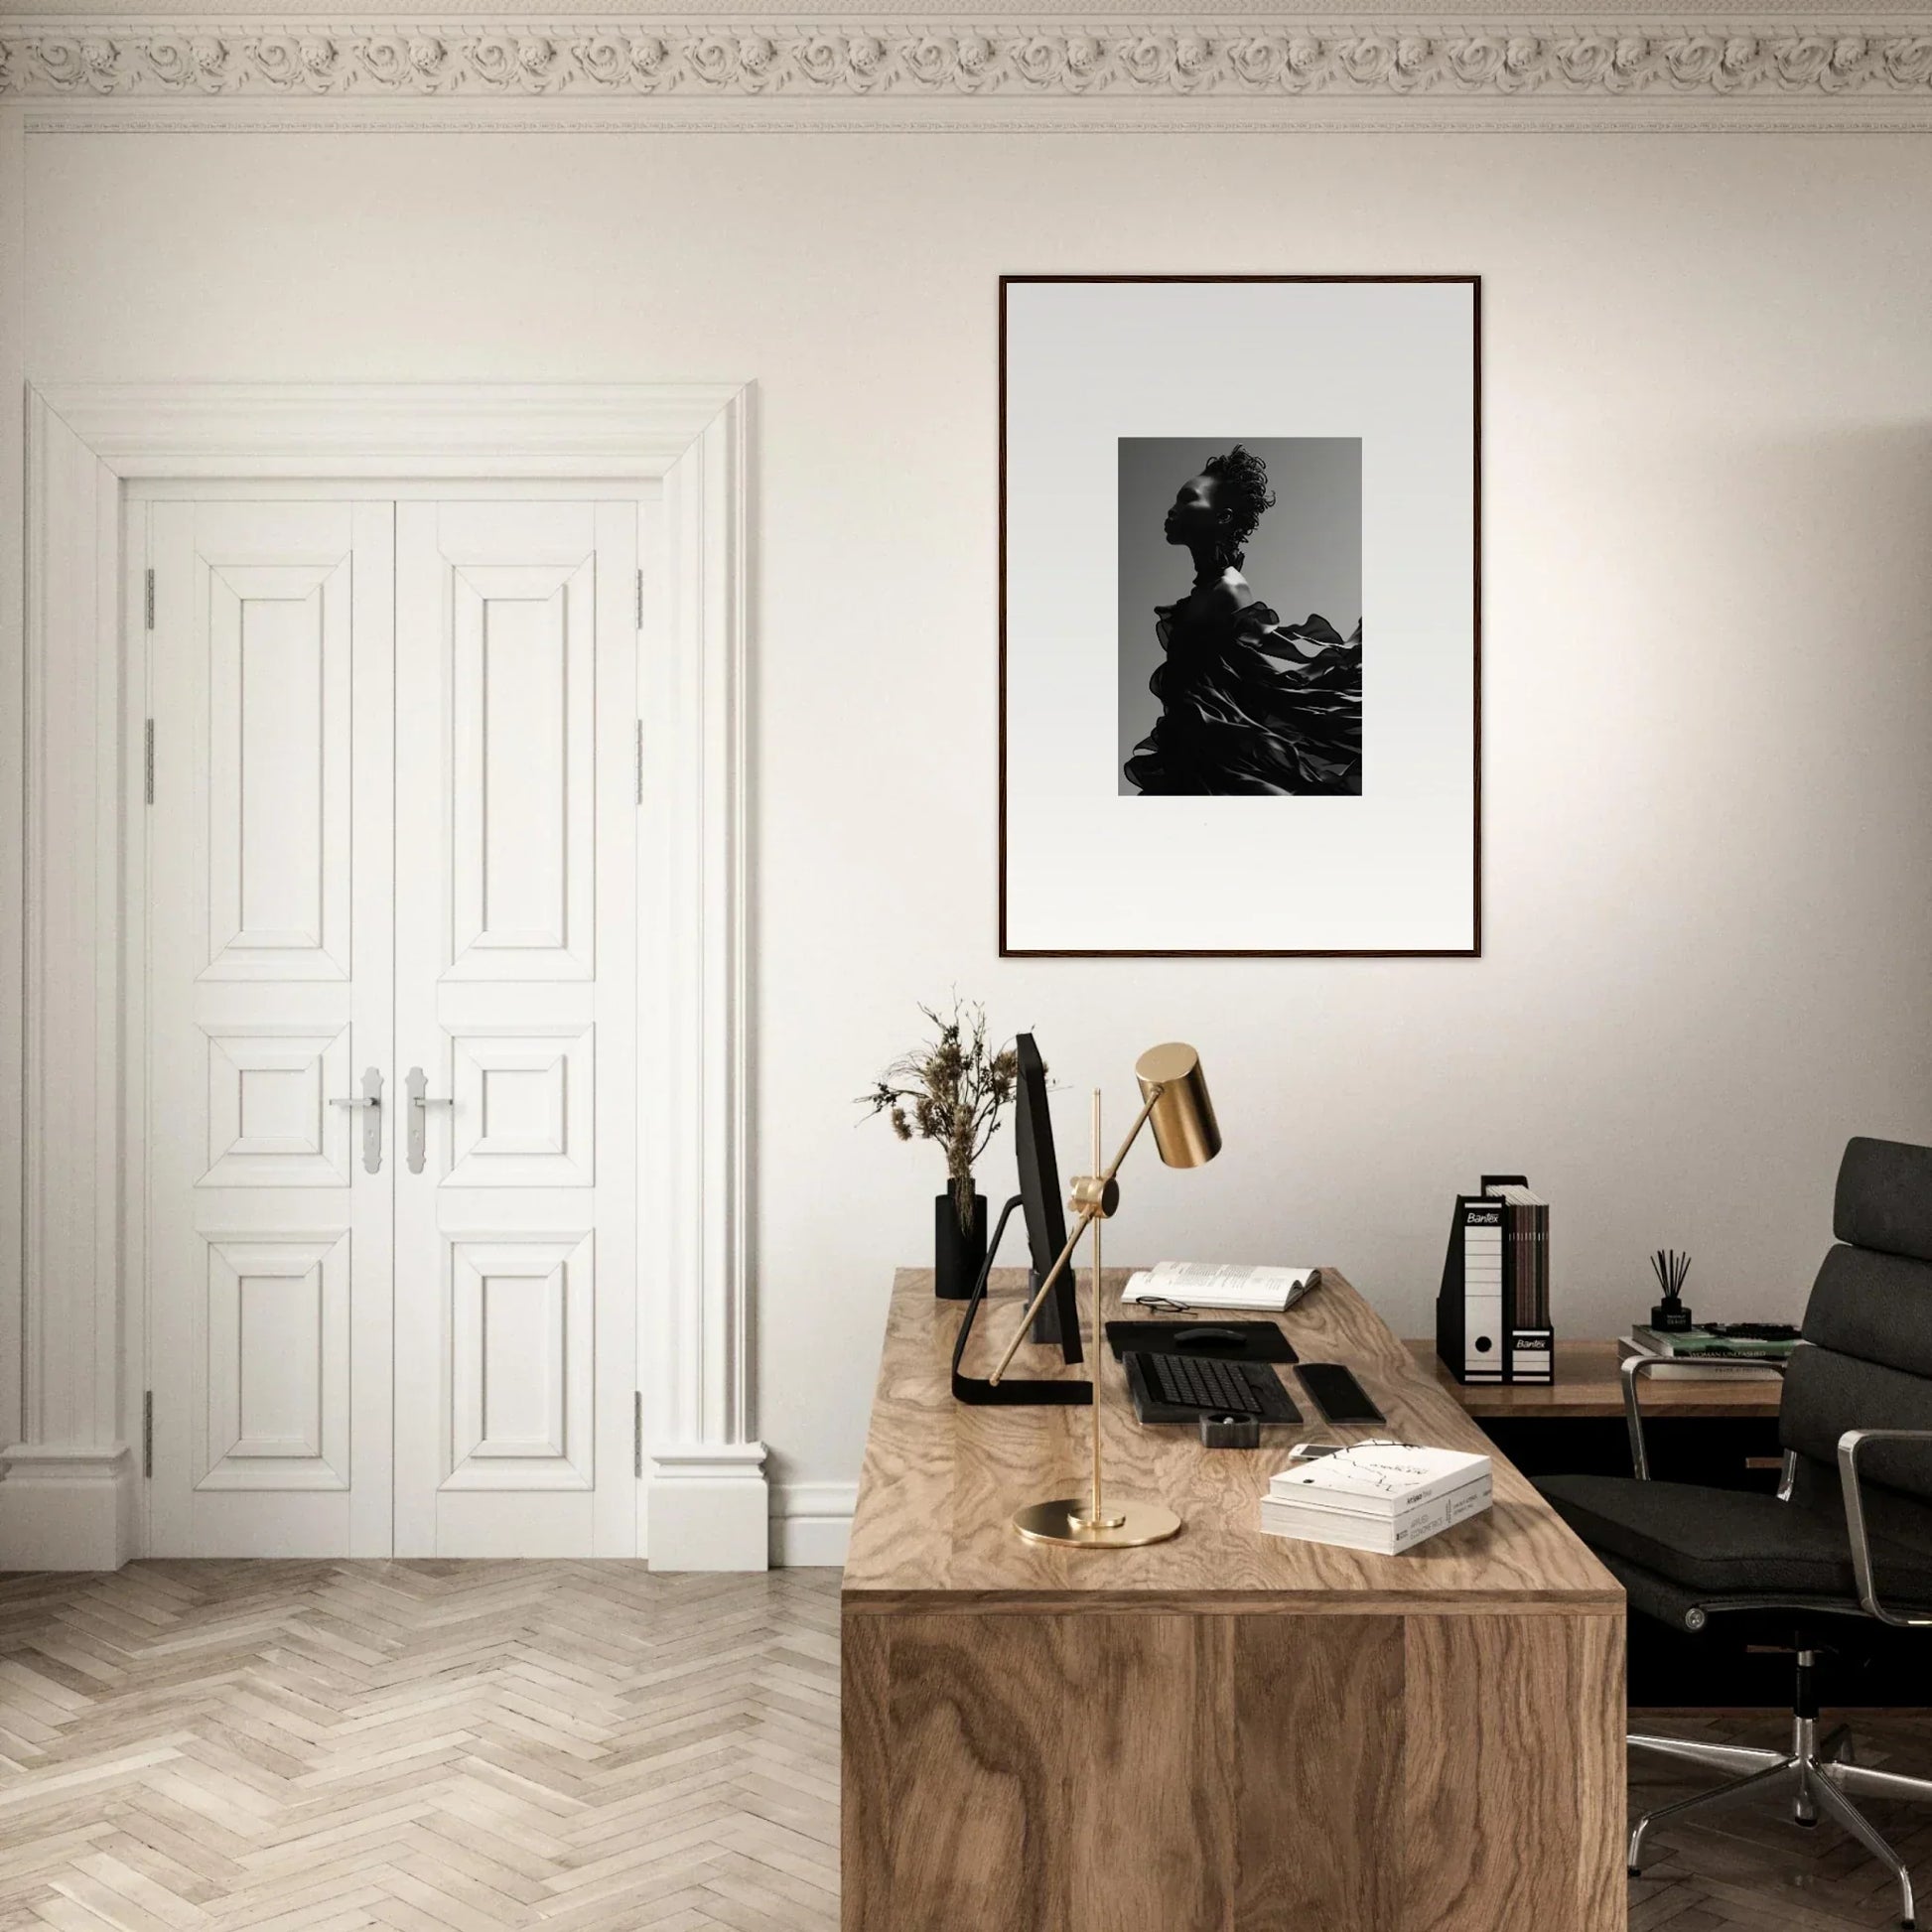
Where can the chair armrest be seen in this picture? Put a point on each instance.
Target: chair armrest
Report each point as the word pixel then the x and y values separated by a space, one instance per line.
pixel 1849 1446
pixel 1635 1367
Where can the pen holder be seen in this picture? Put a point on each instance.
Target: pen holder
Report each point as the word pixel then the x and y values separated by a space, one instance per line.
pixel 1671 1318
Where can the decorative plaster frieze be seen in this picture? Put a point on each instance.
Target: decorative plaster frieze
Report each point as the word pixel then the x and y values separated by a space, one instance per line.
pixel 1324 61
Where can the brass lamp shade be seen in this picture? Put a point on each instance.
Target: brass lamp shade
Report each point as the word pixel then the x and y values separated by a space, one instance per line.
pixel 1182 1115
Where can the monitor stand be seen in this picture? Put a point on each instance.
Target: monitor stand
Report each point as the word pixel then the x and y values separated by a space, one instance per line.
pixel 1011 1391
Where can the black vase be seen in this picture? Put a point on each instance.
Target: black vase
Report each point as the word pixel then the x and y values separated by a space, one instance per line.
pixel 958 1254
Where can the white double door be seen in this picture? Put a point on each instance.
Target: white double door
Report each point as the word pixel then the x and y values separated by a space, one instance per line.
pixel 392 860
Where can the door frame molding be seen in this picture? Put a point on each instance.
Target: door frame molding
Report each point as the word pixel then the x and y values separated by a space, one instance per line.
pixel 69 1495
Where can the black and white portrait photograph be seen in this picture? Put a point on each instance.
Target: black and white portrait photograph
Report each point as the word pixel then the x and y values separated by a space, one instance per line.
pixel 1240 571
pixel 1239 615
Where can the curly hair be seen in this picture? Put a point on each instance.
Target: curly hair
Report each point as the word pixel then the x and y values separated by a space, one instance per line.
pixel 1241 492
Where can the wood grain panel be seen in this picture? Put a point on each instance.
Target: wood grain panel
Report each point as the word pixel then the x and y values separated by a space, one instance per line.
pixel 1600 1770
pixel 1134 1772
pixel 1138 1772
pixel 941 1480
pixel 980 1775
pixel 1151 1702
pixel 865 1774
pixel 1318 1826
pixel 1513 1773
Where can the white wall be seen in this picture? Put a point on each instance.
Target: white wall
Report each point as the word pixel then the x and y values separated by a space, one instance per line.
pixel 1708 654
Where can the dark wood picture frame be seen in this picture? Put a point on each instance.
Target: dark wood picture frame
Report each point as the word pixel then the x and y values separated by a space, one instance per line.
pixel 1474 949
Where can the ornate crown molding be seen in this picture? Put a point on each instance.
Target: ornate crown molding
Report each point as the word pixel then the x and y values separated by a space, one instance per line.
pixel 1251 71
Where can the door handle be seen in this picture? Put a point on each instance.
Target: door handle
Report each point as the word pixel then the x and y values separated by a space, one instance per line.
pixel 370 1100
pixel 420 1102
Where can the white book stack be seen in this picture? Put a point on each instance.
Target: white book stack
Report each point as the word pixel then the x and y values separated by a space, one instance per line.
pixel 1380 1496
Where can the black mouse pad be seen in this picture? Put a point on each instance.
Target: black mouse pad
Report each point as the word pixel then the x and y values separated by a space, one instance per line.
pixel 1227 1342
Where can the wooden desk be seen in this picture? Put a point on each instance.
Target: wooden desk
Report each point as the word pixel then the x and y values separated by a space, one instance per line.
pixel 1227 1732
pixel 1588 1386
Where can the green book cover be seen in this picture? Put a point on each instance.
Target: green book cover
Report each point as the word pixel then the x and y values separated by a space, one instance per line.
pixel 1701 1341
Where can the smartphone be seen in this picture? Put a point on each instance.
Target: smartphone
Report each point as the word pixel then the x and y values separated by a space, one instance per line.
pixel 1335 1392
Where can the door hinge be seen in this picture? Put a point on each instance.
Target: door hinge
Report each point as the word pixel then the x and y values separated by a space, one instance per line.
pixel 150 599
pixel 147 1433
pixel 640 599
pixel 147 762
pixel 640 760
pixel 637 1433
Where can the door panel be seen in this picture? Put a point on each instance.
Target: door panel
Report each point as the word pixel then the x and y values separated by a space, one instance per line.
pixel 270 1123
pixel 279 757
pixel 515 978
pixel 278 1319
pixel 521 696
pixel 269 898
pixel 525 1104
pixel 522 1382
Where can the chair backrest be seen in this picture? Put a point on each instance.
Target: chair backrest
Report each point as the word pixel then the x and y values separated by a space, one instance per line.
pixel 1869 1324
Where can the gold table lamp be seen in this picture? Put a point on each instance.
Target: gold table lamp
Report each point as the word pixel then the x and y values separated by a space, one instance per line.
pixel 1174 1101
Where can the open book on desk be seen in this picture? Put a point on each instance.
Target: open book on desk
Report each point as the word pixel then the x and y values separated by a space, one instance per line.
pixel 1217 1285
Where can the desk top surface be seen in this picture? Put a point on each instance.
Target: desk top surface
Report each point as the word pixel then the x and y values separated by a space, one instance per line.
pixel 941 1480
pixel 1588 1386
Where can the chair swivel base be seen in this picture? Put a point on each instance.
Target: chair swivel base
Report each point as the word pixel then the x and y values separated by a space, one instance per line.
pixel 1817 1774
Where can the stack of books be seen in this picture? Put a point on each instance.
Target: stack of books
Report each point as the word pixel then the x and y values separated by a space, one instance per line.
pixel 1380 1496
pixel 1683 1352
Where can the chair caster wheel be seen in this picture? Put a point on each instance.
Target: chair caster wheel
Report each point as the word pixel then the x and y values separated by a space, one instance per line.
pixel 1633 1872
pixel 1810 1823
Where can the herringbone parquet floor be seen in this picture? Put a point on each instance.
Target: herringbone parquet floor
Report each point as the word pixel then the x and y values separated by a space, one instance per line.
pixel 582 1747
pixel 428 1746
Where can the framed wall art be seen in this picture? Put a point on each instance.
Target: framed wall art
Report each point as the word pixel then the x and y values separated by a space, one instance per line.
pixel 1239 615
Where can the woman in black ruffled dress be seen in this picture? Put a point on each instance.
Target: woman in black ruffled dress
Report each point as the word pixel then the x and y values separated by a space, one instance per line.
pixel 1248 704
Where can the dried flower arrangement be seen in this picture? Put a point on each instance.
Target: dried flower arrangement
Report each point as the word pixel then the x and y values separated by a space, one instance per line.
pixel 952 1090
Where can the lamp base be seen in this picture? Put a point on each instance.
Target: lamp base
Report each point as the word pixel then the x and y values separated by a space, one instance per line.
pixel 1130 1525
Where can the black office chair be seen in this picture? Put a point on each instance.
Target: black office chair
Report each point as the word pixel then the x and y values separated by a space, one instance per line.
pixel 1847 1540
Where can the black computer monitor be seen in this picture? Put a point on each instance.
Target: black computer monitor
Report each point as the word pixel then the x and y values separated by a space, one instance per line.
pixel 1040 1198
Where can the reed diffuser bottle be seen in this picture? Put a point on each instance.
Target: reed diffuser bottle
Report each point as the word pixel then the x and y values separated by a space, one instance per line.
pixel 1670 1317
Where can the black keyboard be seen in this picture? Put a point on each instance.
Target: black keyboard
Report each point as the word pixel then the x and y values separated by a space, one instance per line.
pixel 1187 1386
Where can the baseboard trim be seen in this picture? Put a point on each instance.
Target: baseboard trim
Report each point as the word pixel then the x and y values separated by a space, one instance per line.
pixel 811 1523
pixel 65 1508
pixel 707 1507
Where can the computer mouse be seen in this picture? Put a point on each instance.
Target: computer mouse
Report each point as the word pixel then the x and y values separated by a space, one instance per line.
pixel 1206 1338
